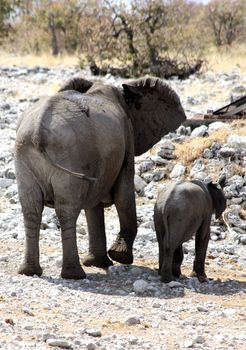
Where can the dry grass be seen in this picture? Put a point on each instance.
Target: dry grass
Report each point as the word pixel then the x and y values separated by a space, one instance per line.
pixel 43 60
pixel 227 59
pixel 192 149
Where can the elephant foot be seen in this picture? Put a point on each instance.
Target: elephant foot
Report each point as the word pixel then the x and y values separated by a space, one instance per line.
pixel 99 261
pixel 166 275
pixel 73 272
pixel 30 269
pixel 202 277
pixel 121 252
pixel 167 279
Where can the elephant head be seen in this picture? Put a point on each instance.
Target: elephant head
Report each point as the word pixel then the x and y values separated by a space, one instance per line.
pixel 218 198
pixel 153 107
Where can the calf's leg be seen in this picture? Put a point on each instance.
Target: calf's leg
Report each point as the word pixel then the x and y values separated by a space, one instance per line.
pixel 201 244
pixel 177 260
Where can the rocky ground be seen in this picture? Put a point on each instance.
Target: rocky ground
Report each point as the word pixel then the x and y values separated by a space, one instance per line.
pixel 127 307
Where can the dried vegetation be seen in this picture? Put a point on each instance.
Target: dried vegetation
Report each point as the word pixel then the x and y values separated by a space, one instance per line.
pixel 192 149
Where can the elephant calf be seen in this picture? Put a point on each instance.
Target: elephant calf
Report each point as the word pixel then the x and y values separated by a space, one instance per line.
pixel 184 209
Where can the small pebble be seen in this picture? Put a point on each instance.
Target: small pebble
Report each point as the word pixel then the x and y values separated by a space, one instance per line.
pixel 140 286
pixel 94 332
pixel 59 343
pixel 133 320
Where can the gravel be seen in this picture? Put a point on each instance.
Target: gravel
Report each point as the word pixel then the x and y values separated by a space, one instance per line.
pixel 125 307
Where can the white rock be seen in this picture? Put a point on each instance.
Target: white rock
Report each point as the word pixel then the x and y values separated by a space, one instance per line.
pixel 167 144
pixel 188 343
pixel 59 343
pixel 202 308
pixel 4 258
pixel 147 177
pixel 133 320
pixel 197 167
pixel 27 311
pixel 229 312
pixel 94 332
pixel 175 284
pixel 5 183
pixel 145 166
pixel 200 339
pixel 156 305
pixel 178 171
pixel 217 126
pixel 140 286
pixel 139 183
pixel 91 346
pixel 199 132
pixel 159 161
pixel 47 336
pixel 237 141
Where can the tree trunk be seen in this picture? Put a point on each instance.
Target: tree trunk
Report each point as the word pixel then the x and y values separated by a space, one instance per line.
pixel 54 42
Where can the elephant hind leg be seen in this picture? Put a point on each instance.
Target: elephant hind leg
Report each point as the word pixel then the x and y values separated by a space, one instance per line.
pixel 31 199
pixel 166 269
pixel 201 244
pixel 67 216
pixel 159 234
pixel 177 260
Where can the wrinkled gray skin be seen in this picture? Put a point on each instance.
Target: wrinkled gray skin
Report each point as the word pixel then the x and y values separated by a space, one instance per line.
pixel 75 150
pixel 181 211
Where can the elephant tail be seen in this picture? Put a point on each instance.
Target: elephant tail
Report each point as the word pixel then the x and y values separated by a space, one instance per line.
pixel 77 175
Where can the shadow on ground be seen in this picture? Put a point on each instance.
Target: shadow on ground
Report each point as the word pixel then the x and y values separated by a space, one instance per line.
pixel 119 281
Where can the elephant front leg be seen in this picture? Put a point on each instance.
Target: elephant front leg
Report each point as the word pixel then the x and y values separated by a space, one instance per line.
pixel 124 199
pixel 201 244
pixel 97 239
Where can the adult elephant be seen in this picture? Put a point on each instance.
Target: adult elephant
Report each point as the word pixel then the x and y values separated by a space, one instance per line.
pixel 75 150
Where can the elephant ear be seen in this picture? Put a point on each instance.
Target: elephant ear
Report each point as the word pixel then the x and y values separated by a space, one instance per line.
pixel 218 199
pixel 155 110
pixel 77 84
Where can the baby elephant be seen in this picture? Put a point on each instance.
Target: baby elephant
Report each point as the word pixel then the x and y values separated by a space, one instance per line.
pixel 184 209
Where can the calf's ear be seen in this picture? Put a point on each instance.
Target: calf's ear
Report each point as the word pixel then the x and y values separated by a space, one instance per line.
pixel 218 199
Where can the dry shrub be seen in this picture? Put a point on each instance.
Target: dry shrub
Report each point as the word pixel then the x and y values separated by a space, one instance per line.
pixel 239 127
pixel 224 59
pixel 237 169
pixel 192 149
